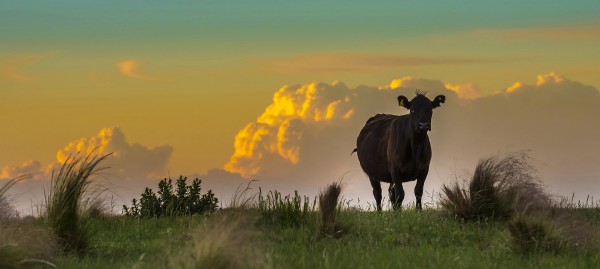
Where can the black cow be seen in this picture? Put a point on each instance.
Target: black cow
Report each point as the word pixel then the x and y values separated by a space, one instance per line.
pixel 396 149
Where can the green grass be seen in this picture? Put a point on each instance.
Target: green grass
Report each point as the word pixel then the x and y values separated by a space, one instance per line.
pixel 406 239
pixel 125 242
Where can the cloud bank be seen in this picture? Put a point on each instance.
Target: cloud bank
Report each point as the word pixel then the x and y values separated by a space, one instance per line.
pixel 303 139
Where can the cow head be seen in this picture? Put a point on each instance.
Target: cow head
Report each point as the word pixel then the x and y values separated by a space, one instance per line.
pixel 421 110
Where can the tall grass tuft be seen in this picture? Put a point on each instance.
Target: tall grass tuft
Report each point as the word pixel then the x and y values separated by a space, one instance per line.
pixel 328 205
pixel 69 189
pixel 499 187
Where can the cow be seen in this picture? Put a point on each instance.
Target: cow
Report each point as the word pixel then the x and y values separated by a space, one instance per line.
pixel 396 149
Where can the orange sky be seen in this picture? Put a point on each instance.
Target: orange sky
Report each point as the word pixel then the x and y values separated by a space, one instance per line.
pixel 179 82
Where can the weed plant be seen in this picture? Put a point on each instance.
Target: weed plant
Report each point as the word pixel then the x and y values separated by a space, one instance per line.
pixel 286 211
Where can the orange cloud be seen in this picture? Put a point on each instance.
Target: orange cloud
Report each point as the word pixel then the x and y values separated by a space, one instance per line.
pixel 130 68
pixel 13 68
pixel 277 133
pixel 129 161
pixel 464 91
pixel 356 61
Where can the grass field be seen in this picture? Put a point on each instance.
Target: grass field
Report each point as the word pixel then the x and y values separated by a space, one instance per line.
pixel 407 239
pixel 502 219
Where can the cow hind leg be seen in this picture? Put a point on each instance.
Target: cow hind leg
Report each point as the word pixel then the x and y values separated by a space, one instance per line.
pixel 391 193
pixel 419 192
pixel 399 196
pixel 376 192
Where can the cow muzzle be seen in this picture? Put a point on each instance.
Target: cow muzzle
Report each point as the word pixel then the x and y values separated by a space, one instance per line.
pixel 424 126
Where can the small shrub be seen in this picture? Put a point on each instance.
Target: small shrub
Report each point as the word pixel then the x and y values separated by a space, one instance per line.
pixel 186 200
pixel 288 211
pixel 64 204
pixel 499 188
pixel 328 205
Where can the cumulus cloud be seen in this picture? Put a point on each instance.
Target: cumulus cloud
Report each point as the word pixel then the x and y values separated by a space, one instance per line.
pixel 131 166
pixel 303 139
pixel 276 135
pixel 32 168
pixel 356 61
pixel 130 161
pixel 130 68
pixel 465 91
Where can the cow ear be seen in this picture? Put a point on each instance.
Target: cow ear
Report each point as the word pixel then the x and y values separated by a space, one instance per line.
pixel 403 101
pixel 438 100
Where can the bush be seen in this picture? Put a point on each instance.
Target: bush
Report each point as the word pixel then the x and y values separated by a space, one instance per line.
pixel 186 200
pixel 499 188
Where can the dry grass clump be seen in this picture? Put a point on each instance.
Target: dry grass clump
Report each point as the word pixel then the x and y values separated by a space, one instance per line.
pixel 500 186
pixel 551 233
pixel 66 202
pixel 328 204
pixel 224 242
pixel 25 243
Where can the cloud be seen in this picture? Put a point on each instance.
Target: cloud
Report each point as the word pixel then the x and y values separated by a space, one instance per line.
pixel 130 68
pixel 32 168
pixel 129 161
pixel 13 68
pixel 303 139
pixel 465 91
pixel 355 61
pixel 571 33
pixel 131 167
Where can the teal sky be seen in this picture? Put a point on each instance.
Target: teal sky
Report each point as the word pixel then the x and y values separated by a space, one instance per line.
pixel 105 25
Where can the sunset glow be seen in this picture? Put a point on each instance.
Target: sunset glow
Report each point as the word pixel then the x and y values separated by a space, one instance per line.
pixel 277 91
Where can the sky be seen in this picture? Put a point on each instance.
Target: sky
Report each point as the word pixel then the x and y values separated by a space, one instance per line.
pixel 278 91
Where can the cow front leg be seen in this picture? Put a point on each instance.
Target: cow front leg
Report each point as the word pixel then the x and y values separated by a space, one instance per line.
pixel 392 194
pixel 399 193
pixel 376 192
pixel 419 192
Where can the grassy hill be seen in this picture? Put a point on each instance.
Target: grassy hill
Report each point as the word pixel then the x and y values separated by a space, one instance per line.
pixel 243 239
